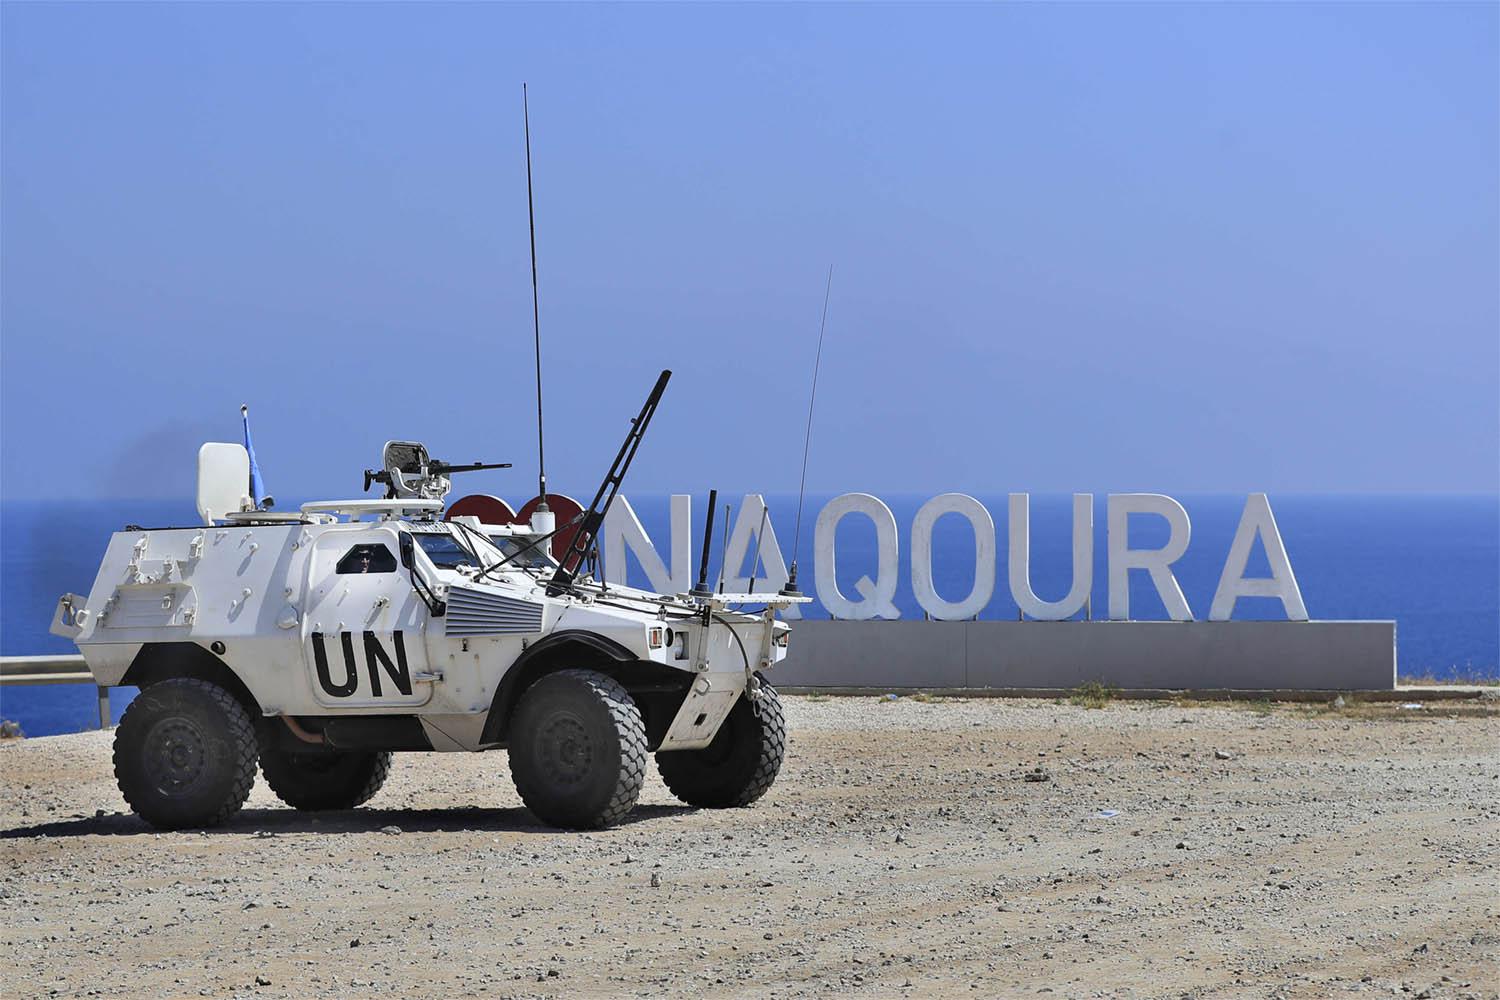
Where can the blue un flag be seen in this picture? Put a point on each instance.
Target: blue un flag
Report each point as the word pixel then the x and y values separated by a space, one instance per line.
pixel 257 486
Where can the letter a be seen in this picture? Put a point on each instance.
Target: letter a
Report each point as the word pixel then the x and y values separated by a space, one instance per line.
pixel 1233 584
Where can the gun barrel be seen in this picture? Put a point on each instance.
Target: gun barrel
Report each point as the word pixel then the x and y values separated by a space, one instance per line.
pixel 443 468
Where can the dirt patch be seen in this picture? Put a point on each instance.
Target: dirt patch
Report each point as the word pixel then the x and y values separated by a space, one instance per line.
pixel 1207 850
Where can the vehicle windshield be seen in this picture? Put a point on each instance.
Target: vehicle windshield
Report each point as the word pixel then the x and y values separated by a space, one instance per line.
pixel 450 551
pixel 535 557
pixel 446 552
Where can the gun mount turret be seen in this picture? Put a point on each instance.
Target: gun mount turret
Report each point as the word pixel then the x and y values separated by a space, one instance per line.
pixel 409 473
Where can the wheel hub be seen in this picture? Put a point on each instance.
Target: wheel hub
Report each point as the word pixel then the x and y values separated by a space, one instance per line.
pixel 175 755
pixel 567 754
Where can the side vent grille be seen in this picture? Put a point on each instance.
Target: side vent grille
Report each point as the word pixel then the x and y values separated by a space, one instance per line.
pixel 478 612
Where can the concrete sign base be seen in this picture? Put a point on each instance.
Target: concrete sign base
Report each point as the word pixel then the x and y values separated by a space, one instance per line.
pixel 1200 656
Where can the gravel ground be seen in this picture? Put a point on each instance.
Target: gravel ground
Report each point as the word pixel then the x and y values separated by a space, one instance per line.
pixel 1253 852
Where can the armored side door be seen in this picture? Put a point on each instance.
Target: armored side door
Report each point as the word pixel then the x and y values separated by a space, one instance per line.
pixel 363 635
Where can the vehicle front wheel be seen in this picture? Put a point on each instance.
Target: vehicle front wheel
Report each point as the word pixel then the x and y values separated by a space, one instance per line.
pixel 324 779
pixel 578 749
pixel 741 763
pixel 185 754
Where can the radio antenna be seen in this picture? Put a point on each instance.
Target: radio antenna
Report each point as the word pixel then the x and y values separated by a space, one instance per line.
pixel 536 315
pixel 724 547
pixel 812 397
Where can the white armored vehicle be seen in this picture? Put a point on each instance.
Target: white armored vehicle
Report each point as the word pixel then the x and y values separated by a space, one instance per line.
pixel 316 643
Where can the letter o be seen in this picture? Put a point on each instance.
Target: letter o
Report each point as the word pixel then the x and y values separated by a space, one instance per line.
pixel 984 557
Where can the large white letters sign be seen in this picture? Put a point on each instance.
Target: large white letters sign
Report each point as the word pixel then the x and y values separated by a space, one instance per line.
pixel 1157 562
pixel 771 570
pixel 1257 520
pixel 622 530
pixel 984 557
pixel 753 537
pixel 879 596
pixel 1020 560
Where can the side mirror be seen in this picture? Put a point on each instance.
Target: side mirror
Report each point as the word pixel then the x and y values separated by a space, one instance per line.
pixel 435 606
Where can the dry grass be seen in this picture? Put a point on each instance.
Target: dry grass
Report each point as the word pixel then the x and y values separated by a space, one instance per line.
pixel 1469 676
pixel 1093 694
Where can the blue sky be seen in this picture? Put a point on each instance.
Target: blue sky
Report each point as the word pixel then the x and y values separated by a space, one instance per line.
pixel 1208 247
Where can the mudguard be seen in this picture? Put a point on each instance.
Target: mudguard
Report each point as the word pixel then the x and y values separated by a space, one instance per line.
pixel 552 652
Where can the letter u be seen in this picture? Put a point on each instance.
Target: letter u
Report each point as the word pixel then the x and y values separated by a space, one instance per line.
pixel 320 660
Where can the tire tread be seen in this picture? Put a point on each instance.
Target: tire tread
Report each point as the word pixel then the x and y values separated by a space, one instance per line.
pixel 689 784
pixel 241 736
pixel 288 784
pixel 631 730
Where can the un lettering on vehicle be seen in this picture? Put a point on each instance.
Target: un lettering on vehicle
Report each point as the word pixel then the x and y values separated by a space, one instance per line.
pixel 388 675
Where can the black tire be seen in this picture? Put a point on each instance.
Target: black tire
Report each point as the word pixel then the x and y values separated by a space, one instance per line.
pixel 185 754
pixel 325 779
pixel 742 762
pixel 578 750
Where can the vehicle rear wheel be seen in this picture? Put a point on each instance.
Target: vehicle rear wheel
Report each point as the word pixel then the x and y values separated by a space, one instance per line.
pixel 741 763
pixel 326 779
pixel 185 754
pixel 578 749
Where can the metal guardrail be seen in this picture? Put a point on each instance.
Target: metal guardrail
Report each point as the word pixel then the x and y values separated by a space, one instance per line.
pixel 19 670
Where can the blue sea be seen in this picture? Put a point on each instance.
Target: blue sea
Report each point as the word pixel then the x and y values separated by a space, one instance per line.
pixel 1431 563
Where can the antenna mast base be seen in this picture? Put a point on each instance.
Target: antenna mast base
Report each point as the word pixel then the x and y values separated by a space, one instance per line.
pixel 789 589
pixel 701 590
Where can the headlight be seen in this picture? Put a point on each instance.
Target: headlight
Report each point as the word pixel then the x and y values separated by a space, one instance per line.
pixel 781 638
pixel 678 642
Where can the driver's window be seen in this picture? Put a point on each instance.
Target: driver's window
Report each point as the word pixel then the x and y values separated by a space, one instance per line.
pixel 373 558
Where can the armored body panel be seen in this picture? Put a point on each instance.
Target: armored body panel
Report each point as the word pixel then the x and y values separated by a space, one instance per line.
pixel 322 619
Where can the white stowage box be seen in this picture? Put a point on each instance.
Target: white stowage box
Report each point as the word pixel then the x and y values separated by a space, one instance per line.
pixel 151 605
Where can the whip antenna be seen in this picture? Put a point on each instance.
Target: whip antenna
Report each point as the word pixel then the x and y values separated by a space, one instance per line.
pixel 724 547
pixel 812 397
pixel 536 315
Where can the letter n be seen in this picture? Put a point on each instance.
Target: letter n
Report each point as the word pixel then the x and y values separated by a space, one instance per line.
pixel 398 671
